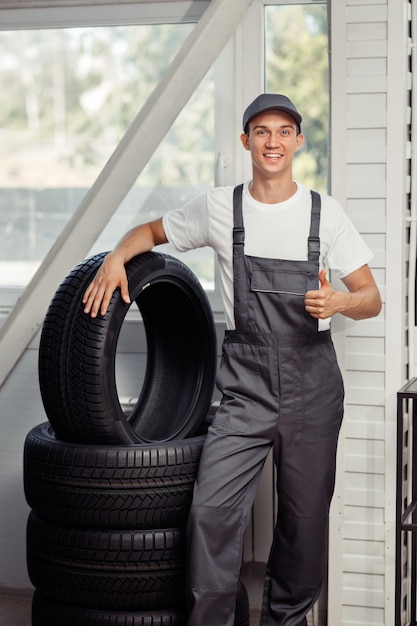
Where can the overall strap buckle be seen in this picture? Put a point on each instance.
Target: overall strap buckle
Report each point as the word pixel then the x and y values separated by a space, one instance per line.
pixel 238 236
pixel 314 245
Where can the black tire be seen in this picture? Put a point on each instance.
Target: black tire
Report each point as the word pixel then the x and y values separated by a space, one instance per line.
pixel 118 570
pixel 47 612
pixel 77 356
pixel 142 486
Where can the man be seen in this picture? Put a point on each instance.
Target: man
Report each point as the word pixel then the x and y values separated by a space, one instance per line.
pixel 280 382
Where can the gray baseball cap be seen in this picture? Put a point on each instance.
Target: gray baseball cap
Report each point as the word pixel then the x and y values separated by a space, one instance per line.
pixel 270 102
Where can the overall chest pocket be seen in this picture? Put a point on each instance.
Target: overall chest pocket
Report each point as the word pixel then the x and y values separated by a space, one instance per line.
pixel 279 281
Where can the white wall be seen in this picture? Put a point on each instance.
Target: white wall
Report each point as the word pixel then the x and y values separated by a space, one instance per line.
pixel 20 409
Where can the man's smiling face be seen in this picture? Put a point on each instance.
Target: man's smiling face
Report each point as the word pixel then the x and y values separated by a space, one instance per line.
pixel 272 140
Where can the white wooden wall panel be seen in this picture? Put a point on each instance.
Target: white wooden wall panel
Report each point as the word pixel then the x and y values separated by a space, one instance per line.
pixel 370 448
pixel 365 462
pixel 370 597
pixel 368 117
pixel 366 180
pixel 367 102
pixel 370 345
pixel 375 160
pixel 367 328
pixel 360 49
pixel 363 13
pixel 363 595
pixel 367 67
pixel 362 379
pixel 368 32
pixel 356 496
pixel 359 84
pixel 365 396
pixel 364 581
pixel 365 362
pixel 363 557
pixel 371 144
pixel 364 531
pixel 353 3
pixel 357 516
pixel 366 110
pixel 369 216
pixel 362 616
pixel 365 428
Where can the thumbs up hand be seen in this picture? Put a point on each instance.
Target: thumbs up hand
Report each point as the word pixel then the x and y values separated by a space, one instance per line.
pixel 321 303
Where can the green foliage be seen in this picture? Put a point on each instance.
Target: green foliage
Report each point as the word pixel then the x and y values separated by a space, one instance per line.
pixel 297 65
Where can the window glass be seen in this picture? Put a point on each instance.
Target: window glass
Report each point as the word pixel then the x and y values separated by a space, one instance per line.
pixel 297 64
pixel 181 168
pixel 71 94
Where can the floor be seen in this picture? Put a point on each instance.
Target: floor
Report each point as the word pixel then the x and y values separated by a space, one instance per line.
pixel 15 609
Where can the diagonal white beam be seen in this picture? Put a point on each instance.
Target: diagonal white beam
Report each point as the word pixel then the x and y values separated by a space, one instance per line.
pixel 120 173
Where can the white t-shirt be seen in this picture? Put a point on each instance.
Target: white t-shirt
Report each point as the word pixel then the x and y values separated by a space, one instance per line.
pixel 271 231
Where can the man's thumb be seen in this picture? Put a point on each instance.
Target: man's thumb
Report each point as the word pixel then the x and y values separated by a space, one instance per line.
pixel 323 277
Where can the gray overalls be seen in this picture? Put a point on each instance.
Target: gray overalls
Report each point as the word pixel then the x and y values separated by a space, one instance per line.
pixel 281 387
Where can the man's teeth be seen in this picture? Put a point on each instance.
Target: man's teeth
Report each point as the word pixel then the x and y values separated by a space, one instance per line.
pixel 273 155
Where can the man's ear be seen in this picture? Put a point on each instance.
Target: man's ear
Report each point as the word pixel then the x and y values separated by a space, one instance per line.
pixel 244 138
pixel 300 140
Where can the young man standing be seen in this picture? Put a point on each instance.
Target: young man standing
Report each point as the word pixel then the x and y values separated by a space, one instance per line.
pixel 280 383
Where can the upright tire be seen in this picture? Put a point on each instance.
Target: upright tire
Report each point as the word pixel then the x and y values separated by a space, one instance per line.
pixel 77 356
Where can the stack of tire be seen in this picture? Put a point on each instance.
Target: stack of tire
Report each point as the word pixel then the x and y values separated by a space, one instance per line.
pixel 110 490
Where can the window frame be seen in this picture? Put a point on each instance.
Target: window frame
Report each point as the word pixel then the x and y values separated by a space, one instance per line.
pixel 101 14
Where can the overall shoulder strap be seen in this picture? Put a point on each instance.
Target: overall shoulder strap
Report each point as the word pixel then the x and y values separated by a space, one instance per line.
pixel 313 238
pixel 238 229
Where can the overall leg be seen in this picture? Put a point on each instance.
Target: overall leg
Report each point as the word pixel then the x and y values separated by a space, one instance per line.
pixel 233 456
pixel 296 564
pixel 223 495
pixel 305 456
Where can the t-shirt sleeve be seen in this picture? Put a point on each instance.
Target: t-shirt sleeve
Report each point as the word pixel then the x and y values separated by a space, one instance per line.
pixel 347 251
pixel 188 226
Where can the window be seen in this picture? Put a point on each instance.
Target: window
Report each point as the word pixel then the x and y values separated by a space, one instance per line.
pixel 297 64
pixel 73 91
pixel 71 95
